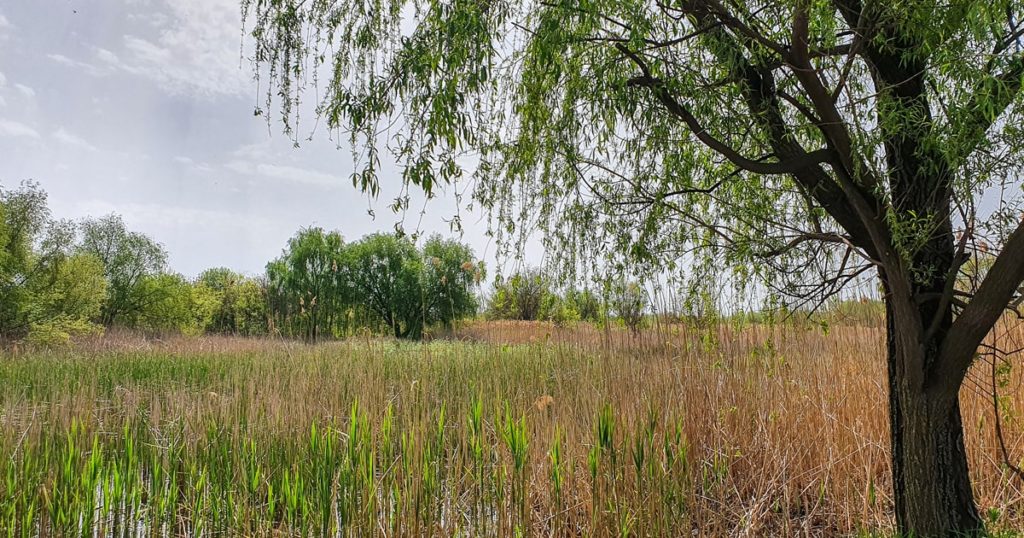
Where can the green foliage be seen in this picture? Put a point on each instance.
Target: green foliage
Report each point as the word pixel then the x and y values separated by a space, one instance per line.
pixel 305 285
pixel 592 123
pixel 526 295
pixel 530 295
pixel 242 306
pixel 322 287
pixel 383 273
pixel 46 292
pixel 58 331
pixel 53 287
pixel 629 301
pixel 586 304
pixel 448 279
pixel 129 259
pixel 168 303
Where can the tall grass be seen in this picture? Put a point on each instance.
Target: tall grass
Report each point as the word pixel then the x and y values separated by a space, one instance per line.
pixel 521 429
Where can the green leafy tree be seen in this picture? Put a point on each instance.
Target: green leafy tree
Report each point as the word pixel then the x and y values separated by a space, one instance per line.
pixel 24 216
pixel 526 295
pixel 305 282
pixel 167 303
pixel 129 259
pixel 383 273
pixel 586 304
pixel 629 300
pixel 47 293
pixel 450 276
pixel 66 300
pixel 241 303
pixel 250 307
pixel 800 145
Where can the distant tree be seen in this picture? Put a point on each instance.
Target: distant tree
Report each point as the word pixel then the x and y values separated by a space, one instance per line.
pixel 24 216
pixel 168 303
pixel 251 308
pixel 629 300
pixel 586 303
pixel 128 259
pixel 383 273
pixel 71 295
pixel 306 284
pixel 450 274
pixel 47 293
pixel 241 302
pixel 218 278
pixel 526 295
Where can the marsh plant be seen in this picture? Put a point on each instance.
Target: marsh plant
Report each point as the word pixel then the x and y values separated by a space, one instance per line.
pixel 220 436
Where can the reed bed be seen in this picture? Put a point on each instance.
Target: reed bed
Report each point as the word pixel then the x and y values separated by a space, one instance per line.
pixel 506 430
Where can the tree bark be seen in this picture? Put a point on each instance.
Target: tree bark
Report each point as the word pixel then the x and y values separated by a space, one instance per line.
pixel 931 483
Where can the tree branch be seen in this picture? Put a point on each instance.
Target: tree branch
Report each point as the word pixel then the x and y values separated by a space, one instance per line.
pixel 680 111
pixel 990 98
pixel 977 319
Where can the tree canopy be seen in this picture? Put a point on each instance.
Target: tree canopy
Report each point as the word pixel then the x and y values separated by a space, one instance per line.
pixel 129 259
pixel 47 292
pixel 322 287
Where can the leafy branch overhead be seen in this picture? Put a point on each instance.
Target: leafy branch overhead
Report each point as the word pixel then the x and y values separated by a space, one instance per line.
pixel 573 111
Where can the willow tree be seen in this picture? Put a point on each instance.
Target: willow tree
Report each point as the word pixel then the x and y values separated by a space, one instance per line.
pixel 811 143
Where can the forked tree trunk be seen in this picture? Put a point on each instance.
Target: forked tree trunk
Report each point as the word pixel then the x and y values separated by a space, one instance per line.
pixel 931 483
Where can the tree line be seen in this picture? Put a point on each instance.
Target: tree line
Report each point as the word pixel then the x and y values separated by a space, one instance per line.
pixel 532 295
pixel 60 279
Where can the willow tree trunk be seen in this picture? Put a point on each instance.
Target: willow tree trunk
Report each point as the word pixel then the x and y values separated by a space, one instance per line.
pixel 931 483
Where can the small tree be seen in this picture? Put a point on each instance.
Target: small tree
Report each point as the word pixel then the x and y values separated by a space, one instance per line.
pixel 525 296
pixel 629 300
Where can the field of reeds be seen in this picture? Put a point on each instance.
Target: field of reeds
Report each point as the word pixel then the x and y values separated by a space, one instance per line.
pixel 507 429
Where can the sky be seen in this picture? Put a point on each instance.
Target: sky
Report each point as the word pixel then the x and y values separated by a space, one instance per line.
pixel 145 108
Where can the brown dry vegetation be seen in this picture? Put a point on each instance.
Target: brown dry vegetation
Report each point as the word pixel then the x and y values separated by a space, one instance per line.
pixel 730 431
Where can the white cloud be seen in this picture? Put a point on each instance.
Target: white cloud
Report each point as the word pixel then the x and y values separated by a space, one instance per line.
pixel 3 80
pixel 149 217
pixel 107 57
pixel 191 164
pixel 195 52
pixel 66 137
pixel 61 59
pixel 14 129
pixel 25 90
pixel 290 174
pixel 5 28
pixel 78 64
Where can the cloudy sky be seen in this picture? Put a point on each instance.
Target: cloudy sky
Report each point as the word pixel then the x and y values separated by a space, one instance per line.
pixel 145 108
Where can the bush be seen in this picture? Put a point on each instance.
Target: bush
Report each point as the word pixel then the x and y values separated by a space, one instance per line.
pixel 628 302
pixel 526 296
pixel 59 331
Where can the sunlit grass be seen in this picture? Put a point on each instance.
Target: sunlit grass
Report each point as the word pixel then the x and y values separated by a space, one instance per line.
pixel 732 431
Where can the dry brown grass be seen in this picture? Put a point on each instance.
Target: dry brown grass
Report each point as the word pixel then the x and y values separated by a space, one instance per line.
pixel 785 428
